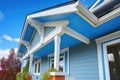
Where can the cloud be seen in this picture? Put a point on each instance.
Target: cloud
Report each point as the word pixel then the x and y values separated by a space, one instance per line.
pixel 0 40
pixel 9 38
pixel 1 16
pixel 17 39
pixel 5 53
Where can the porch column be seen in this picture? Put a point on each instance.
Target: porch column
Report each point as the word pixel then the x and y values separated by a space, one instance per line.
pixel 30 63
pixel 56 51
pixel 22 65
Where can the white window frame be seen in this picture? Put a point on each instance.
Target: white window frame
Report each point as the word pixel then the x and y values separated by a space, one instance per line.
pixel 102 43
pixel 61 52
pixel 59 58
pixel 37 62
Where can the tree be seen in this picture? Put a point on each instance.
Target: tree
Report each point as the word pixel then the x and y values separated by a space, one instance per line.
pixel 10 66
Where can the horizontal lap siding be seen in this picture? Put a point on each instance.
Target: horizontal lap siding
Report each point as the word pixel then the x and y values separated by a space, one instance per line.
pixel 84 62
pixel 44 65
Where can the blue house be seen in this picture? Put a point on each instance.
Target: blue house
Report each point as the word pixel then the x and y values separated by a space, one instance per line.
pixel 84 43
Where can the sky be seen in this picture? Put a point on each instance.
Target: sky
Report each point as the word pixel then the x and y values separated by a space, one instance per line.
pixel 12 17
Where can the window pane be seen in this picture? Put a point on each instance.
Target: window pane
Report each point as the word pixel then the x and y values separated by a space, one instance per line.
pixel 61 64
pixel 39 68
pixel 113 52
pixel 35 68
pixel 52 63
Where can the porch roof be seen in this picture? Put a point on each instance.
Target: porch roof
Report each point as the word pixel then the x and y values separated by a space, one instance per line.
pixel 78 24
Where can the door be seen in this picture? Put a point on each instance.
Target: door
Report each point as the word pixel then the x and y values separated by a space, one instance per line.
pixel 113 52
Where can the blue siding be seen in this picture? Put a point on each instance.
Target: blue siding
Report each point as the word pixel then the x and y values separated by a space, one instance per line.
pixel 84 62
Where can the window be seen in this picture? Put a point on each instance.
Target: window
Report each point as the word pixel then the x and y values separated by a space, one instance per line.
pixel 63 60
pixel 37 67
pixel 61 63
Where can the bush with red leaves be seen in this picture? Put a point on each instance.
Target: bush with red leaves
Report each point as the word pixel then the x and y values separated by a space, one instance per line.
pixel 9 66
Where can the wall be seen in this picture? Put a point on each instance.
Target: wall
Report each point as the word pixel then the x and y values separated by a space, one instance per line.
pixel 84 62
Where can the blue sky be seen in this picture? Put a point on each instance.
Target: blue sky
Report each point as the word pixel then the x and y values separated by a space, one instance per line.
pixel 12 17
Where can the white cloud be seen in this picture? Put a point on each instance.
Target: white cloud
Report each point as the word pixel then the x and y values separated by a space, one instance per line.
pixel 0 40
pixel 9 38
pixel 5 53
pixel 16 39
pixel 1 16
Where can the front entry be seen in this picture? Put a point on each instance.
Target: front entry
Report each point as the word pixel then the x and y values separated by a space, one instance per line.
pixel 113 53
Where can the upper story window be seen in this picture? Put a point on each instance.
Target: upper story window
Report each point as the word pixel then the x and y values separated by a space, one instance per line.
pixel 47 30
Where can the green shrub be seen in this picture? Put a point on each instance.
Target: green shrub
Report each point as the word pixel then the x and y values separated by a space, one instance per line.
pixel 24 74
pixel 19 76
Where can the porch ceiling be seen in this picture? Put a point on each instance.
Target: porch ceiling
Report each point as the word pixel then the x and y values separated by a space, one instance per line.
pixel 80 25
pixel 77 23
pixel 66 41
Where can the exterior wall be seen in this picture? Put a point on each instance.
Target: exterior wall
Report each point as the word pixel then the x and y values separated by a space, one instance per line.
pixel 84 62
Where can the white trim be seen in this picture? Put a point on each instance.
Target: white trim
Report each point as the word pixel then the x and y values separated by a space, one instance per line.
pixel 105 41
pixel 62 52
pixel 56 23
pixel 37 63
pixel 108 37
pixel 75 7
pixel 60 10
pixel 25 43
pixel 109 16
pixel 57 40
pixel 37 25
pixel 76 35
pixel 58 64
pixel 86 14
pixel 57 73
pixel 46 40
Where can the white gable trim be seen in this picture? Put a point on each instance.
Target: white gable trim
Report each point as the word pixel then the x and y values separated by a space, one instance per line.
pixel 76 35
pixel 60 10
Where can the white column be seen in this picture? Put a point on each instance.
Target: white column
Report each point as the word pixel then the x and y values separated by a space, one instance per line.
pixel 22 62
pixel 56 51
pixel 42 35
pixel 30 63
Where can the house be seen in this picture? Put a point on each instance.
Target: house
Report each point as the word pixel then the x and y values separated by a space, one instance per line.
pixel 83 43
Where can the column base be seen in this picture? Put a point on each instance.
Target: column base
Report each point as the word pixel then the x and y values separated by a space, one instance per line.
pixel 57 76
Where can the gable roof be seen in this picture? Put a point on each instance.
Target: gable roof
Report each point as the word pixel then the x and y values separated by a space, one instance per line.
pixel 77 22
